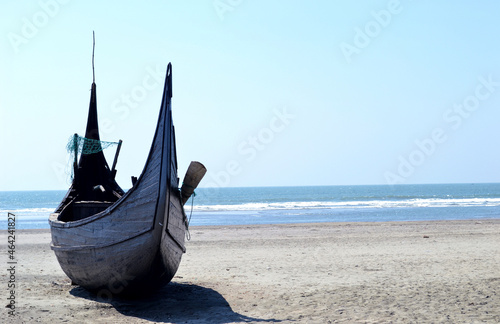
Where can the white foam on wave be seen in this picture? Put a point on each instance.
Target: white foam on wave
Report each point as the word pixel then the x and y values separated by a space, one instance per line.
pixel 410 203
pixel 28 210
pixel 29 213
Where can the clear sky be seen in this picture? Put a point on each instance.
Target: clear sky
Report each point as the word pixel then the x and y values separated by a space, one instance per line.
pixel 266 93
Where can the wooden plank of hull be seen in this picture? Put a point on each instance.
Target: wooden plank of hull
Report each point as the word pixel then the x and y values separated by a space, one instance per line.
pixel 138 241
pixel 112 268
pixel 173 237
pixel 121 268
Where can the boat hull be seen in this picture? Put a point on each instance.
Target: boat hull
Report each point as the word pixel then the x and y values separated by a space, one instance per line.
pixel 132 266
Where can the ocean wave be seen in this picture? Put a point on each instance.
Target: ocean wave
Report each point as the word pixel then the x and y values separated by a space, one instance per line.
pixel 300 205
pixel 28 210
pixel 410 203
pixel 29 213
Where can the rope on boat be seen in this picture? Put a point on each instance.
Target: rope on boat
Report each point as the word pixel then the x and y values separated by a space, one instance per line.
pixel 188 220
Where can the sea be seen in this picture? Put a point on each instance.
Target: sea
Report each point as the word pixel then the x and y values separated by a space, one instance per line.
pixel 274 205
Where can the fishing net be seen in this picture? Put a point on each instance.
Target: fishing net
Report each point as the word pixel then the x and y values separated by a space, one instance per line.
pixel 82 145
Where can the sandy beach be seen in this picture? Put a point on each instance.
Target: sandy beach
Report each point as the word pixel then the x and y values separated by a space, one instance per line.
pixel 401 272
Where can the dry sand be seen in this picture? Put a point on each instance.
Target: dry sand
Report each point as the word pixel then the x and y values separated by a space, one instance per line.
pixel 410 272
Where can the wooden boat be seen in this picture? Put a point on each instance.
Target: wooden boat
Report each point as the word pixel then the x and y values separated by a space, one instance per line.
pixel 115 242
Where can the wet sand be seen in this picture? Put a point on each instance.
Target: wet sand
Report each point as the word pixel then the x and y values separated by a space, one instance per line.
pixel 400 272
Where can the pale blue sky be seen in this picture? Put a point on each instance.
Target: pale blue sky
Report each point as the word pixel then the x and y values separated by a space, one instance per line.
pixel 265 93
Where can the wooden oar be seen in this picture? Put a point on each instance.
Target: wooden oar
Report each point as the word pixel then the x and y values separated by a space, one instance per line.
pixel 193 176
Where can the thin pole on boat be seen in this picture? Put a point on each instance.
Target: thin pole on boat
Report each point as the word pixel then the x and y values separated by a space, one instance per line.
pixel 75 148
pixel 93 50
pixel 113 172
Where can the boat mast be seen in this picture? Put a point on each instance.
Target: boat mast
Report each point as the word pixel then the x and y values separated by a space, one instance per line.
pixel 93 170
pixel 93 51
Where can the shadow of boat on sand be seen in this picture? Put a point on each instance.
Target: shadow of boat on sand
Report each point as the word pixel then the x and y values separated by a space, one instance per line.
pixel 177 303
